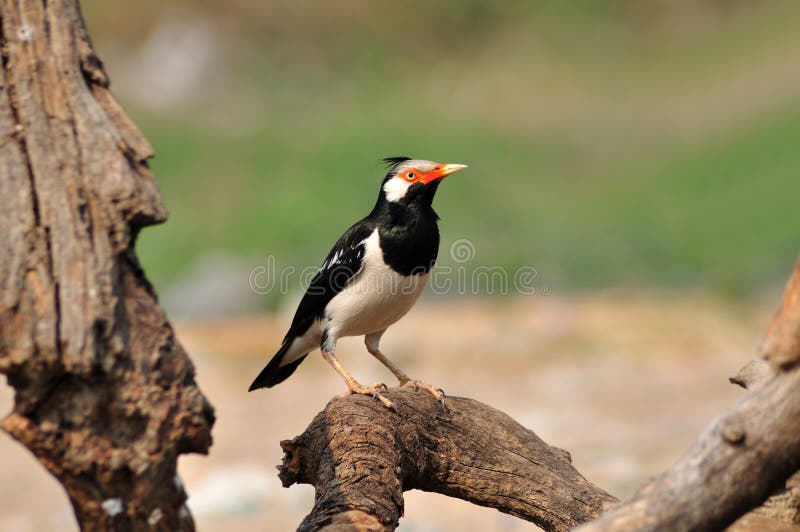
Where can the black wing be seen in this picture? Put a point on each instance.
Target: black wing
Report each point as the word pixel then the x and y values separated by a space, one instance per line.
pixel 342 264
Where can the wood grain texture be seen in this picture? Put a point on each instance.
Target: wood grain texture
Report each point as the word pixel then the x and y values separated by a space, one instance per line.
pixel 781 512
pixel 737 463
pixel 747 457
pixel 105 396
pixel 361 457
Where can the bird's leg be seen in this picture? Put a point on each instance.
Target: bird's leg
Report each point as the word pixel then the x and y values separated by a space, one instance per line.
pixel 372 341
pixel 353 386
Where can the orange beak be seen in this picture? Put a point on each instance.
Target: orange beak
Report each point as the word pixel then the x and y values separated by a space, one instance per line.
pixel 442 170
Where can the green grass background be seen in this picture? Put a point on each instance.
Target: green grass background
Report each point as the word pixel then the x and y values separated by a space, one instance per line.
pixel 609 143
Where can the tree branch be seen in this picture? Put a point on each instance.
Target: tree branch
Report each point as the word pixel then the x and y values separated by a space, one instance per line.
pixel 736 464
pixel 744 456
pixel 783 506
pixel 360 457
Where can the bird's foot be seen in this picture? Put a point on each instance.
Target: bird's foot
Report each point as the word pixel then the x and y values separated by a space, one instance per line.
pixel 374 390
pixel 416 385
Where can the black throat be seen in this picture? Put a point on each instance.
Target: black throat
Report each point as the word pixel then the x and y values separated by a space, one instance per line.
pixel 408 230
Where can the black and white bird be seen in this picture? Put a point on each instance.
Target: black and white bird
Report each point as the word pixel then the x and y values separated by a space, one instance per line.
pixel 370 279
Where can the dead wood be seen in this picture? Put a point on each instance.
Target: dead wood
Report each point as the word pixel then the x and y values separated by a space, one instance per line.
pixel 782 510
pixel 753 374
pixel 740 460
pixel 361 457
pixel 743 457
pixel 105 396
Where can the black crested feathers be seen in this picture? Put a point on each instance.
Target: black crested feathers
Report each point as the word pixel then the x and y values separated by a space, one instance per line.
pixel 393 162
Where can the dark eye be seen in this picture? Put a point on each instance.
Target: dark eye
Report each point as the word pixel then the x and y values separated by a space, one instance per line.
pixel 410 175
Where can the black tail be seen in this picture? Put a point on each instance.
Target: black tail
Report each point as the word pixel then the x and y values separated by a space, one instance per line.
pixel 274 373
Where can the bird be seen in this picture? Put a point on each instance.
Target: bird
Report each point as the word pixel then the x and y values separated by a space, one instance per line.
pixel 370 279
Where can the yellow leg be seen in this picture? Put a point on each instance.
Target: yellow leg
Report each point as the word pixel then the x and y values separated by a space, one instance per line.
pixel 402 377
pixel 371 342
pixel 353 386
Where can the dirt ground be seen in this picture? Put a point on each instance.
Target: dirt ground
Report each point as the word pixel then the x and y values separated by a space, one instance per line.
pixel 624 382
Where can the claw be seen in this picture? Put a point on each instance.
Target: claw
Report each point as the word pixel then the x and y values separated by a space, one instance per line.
pixel 374 391
pixel 379 386
pixel 386 402
pixel 416 385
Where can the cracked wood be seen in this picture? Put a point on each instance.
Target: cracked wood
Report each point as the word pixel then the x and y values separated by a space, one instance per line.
pixel 361 456
pixel 105 396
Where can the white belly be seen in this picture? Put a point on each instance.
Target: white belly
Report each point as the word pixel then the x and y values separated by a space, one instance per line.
pixel 375 299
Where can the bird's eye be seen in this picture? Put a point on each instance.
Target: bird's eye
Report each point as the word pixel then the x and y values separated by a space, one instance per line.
pixel 410 175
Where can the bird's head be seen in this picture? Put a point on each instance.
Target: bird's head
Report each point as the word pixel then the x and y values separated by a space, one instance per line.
pixel 411 181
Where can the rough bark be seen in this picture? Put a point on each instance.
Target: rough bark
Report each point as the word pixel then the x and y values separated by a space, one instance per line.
pixel 740 460
pixel 782 509
pixel 780 512
pixel 744 457
pixel 105 397
pixel 753 375
pixel 361 457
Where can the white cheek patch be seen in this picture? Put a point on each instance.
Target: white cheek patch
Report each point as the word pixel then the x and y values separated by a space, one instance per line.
pixel 396 188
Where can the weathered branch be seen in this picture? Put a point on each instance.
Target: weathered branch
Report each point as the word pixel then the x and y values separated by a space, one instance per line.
pixel 783 506
pixel 105 396
pixel 744 456
pixel 736 464
pixel 361 457
pixel 780 512
pixel 753 375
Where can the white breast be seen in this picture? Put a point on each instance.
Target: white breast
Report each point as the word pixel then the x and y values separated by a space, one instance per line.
pixel 375 299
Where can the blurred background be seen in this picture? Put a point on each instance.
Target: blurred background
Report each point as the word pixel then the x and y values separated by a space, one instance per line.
pixel 639 159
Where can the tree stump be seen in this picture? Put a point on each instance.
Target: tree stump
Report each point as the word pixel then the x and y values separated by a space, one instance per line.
pixel 105 396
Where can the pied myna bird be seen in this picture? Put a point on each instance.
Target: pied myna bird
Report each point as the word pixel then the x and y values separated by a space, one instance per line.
pixel 370 279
